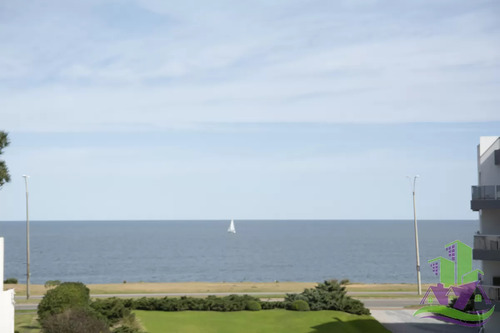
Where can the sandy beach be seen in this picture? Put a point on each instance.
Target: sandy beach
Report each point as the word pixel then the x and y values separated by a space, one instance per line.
pixel 214 287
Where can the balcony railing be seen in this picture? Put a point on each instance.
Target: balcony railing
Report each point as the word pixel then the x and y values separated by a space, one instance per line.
pixel 486 192
pixel 485 197
pixel 486 247
pixel 487 242
pixel 493 292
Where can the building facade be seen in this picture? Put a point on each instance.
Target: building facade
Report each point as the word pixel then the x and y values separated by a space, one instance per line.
pixel 486 201
pixel 6 300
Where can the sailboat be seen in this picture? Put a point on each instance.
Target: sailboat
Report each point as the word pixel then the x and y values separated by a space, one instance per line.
pixel 231 228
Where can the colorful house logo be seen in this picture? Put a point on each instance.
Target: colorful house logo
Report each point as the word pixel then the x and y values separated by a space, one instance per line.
pixel 458 297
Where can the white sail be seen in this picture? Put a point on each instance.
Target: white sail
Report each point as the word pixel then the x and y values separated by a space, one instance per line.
pixel 231 228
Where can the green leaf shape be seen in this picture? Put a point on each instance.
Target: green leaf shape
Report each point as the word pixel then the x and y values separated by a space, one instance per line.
pixel 454 313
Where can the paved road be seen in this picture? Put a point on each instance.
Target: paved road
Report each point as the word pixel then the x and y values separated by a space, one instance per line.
pixel 351 293
pixel 389 303
pixel 26 306
pixel 403 321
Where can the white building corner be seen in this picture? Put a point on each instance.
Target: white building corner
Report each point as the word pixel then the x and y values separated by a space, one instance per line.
pixel 7 302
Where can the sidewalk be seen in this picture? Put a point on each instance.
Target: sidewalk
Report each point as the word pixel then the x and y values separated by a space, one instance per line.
pixel 403 321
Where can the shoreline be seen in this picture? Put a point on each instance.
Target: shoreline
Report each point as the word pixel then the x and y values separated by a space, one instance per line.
pixel 217 287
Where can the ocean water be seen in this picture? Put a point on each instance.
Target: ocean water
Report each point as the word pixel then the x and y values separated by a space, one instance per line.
pixel 370 251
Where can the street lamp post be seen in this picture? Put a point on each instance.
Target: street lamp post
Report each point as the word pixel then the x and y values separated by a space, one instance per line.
pixel 27 241
pixel 419 282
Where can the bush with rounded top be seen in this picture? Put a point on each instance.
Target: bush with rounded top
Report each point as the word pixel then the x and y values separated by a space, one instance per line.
pixel 253 306
pixel 65 296
pixel 10 281
pixel 300 305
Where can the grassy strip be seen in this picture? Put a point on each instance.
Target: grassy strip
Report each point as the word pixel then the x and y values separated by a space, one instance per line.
pixel 275 321
pixel 25 322
pixel 214 287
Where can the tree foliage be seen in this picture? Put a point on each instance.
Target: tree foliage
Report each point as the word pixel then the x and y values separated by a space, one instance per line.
pixel 65 296
pixel 329 295
pixel 75 320
pixel 4 171
pixel 113 309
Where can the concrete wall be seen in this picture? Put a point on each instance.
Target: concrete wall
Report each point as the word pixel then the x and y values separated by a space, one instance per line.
pixel 490 222
pixel 7 311
pixel 6 300
pixel 489 172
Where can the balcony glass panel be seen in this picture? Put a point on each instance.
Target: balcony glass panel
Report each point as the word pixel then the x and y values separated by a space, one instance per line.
pixel 493 292
pixel 486 242
pixel 487 192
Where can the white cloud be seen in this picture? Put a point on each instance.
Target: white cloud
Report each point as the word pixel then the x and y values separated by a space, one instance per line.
pixel 77 67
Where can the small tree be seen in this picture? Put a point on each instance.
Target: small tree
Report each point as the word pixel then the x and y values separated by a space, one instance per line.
pixel 65 296
pixel 329 295
pixel 4 171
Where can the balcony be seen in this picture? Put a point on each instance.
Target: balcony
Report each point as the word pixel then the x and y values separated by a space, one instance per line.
pixel 493 292
pixel 486 247
pixel 485 197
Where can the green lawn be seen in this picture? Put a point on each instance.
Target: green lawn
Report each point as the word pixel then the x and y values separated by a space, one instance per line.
pixel 25 321
pixel 269 321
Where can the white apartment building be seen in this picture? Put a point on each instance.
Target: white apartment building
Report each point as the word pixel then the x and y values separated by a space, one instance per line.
pixel 6 300
pixel 486 201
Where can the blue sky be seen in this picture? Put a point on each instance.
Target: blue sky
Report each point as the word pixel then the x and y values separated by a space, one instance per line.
pixel 255 109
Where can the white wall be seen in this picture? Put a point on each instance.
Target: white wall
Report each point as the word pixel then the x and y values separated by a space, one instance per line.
pixel 7 311
pixel 6 300
pixel 490 222
pixel 490 173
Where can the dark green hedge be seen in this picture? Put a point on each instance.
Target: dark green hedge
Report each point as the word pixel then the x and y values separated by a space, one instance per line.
pixel 211 303
pixel 115 308
pixel 329 295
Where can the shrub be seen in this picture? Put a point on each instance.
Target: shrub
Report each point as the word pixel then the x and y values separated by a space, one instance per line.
pixel 10 281
pixel 144 303
pixel 273 305
pixel 300 305
pixel 74 321
pixel 253 306
pixel 113 309
pixel 211 303
pixel 65 296
pixel 330 295
pixel 52 283
pixel 126 329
